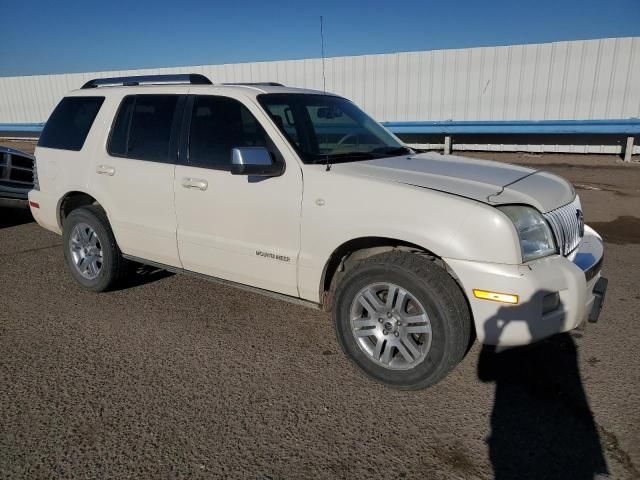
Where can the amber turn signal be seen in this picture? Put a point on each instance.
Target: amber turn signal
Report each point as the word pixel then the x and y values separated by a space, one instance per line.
pixel 496 296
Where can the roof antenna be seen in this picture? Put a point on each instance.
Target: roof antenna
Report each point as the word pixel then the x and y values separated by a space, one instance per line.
pixel 324 79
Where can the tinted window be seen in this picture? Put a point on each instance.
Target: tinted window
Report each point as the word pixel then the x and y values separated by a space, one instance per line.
pixel 120 130
pixel 143 127
pixel 283 117
pixel 219 124
pixel 69 124
pixel 326 128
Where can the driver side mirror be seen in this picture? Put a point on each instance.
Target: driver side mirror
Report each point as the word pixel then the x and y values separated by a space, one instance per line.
pixel 256 161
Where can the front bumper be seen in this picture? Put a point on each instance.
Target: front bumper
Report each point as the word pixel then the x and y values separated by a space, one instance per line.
pixel 13 202
pixel 13 197
pixel 576 280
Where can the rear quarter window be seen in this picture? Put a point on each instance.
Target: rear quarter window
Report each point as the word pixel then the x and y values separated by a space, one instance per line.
pixel 70 122
pixel 144 126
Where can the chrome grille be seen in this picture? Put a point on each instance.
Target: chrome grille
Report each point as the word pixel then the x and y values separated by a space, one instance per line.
pixel 567 224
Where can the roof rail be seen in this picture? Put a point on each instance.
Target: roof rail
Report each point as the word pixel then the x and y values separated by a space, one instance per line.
pixel 192 78
pixel 256 84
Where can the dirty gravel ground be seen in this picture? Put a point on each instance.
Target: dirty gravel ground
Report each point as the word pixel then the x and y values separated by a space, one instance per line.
pixel 173 376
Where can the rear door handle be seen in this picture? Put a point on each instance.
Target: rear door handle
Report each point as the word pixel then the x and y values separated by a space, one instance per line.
pixel 106 170
pixel 193 183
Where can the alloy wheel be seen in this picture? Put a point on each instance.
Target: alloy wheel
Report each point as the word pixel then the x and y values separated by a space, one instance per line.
pixel 86 251
pixel 391 326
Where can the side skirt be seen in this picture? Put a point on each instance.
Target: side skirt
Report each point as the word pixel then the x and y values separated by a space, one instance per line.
pixel 228 283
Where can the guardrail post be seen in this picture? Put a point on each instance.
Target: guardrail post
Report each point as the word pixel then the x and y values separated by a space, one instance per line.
pixel 447 145
pixel 628 151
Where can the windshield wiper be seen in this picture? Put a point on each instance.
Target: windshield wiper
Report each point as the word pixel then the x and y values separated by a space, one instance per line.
pixel 398 151
pixel 346 157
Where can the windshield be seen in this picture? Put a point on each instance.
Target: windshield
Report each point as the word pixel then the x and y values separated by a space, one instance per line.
pixel 329 129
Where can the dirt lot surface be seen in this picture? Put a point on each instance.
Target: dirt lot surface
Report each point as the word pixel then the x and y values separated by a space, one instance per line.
pixel 172 376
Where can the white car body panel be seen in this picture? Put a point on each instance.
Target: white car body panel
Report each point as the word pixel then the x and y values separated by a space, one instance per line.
pixel 353 208
pixel 482 180
pixel 229 229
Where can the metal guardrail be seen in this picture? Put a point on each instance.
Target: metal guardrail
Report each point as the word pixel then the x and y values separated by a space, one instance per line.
pixel 21 130
pixel 21 127
pixel 629 127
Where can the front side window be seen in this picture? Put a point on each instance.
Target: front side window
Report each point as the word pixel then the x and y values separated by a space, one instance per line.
pixel 326 128
pixel 143 127
pixel 219 124
pixel 70 122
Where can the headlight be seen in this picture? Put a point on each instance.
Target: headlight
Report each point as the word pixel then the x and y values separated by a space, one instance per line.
pixel 536 238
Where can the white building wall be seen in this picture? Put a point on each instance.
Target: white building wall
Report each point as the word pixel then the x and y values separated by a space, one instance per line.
pixel 592 79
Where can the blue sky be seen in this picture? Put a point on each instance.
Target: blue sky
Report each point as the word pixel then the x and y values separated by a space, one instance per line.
pixel 72 36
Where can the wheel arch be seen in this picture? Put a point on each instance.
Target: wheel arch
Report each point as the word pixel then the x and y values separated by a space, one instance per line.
pixel 72 200
pixel 362 247
pixel 357 249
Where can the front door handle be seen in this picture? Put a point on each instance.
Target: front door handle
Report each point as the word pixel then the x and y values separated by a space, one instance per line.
pixel 106 170
pixel 193 183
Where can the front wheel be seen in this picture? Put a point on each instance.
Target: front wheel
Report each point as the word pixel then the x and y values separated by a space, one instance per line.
pixel 402 319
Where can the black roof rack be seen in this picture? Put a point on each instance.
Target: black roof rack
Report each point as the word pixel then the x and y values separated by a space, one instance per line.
pixel 192 78
pixel 257 84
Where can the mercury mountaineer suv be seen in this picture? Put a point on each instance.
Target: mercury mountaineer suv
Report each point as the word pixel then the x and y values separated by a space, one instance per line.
pixel 299 194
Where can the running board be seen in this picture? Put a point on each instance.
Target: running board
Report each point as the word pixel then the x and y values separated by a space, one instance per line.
pixel 227 283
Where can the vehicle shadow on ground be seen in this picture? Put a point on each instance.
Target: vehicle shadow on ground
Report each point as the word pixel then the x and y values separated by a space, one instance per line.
pixel 12 217
pixel 541 423
pixel 139 275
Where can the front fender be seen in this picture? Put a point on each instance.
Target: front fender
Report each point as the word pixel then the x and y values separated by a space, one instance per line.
pixel 338 208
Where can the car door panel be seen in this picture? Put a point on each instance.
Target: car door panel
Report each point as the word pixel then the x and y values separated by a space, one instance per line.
pixel 138 195
pixel 139 199
pixel 239 228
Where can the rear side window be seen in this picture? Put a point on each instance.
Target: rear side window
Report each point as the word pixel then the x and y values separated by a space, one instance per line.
pixel 70 122
pixel 120 130
pixel 144 126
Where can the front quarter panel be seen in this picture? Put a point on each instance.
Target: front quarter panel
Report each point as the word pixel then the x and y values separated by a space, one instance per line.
pixel 341 207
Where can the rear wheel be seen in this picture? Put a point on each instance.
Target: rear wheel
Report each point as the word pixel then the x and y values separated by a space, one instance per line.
pixel 90 249
pixel 402 319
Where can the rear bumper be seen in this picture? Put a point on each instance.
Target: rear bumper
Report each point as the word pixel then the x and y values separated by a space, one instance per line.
pixel 46 212
pixel 575 282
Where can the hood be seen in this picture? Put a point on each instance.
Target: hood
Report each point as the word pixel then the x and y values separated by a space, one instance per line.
pixel 486 181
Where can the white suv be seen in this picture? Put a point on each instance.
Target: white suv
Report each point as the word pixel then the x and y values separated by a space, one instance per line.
pixel 299 194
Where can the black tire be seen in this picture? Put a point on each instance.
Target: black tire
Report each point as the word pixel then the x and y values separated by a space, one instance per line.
pixel 442 300
pixel 114 266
